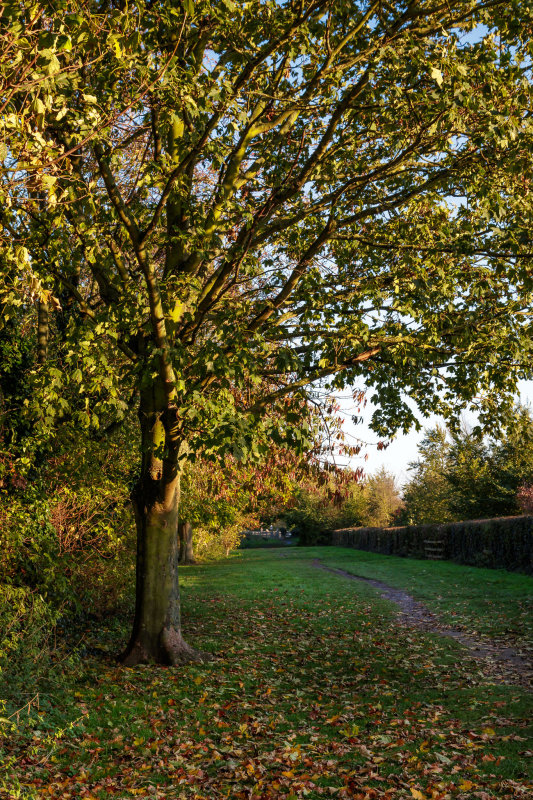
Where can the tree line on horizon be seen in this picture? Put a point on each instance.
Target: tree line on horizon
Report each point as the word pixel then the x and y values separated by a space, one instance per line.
pixel 460 475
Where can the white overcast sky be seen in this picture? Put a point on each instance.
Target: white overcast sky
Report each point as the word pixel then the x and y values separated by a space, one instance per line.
pixel 404 448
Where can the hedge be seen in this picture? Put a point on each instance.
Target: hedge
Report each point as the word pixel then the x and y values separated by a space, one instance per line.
pixel 505 542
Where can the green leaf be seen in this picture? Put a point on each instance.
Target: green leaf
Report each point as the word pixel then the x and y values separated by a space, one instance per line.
pixel 64 43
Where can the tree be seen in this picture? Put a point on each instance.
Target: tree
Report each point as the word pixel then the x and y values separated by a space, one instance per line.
pixel 427 495
pixel 461 475
pixel 383 498
pixel 485 475
pixel 470 477
pixel 224 194
pixel 511 459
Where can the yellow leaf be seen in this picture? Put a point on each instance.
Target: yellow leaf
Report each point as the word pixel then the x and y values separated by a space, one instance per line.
pixel 466 785
pixel 418 794
pixel 489 731
pixel 198 680
pixel 436 74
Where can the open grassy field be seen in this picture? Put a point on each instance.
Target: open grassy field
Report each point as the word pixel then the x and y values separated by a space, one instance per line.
pixel 317 691
pixel 489 601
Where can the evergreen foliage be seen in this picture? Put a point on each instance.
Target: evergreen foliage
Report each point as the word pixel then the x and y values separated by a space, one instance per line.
pixel 461 476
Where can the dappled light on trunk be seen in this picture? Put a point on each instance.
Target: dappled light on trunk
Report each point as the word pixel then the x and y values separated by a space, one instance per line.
pixel 156 635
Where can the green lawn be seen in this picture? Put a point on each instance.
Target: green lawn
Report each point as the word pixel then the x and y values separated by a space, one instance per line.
pixel 317 692
pixel 492 602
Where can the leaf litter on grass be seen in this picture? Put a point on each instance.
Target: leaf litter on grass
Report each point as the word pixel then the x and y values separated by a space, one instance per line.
pixel 318 693
pixel 499 661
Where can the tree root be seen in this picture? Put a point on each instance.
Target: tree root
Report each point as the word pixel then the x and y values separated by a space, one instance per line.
pixel 171 650
pixel 179 652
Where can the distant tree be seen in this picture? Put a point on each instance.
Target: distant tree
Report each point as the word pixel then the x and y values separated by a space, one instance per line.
pixel 485 474
pixel 470 477
pixel 511 459
pixel 427 494
pixel 383 500
pixel 461 475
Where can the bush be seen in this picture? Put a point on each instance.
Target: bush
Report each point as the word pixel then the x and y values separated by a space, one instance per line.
pixel 26 623
pixel 64 548
pixel 211 542
pixel 311 520
pixel 66 553
pixel 505 542
pixel 30 550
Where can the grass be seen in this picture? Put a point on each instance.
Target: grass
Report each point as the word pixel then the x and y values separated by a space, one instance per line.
pixel 493 602
pixel 317 693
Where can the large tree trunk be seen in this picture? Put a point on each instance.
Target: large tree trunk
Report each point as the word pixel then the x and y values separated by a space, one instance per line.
pixel 156 635
pixel 186 548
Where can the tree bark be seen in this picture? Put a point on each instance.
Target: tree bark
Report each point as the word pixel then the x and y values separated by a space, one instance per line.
pixel 42 331
pixel 186 547
pixel 156 635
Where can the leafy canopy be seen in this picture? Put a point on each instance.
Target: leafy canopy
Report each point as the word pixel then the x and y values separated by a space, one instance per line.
pixel 237 200
pixel 463 476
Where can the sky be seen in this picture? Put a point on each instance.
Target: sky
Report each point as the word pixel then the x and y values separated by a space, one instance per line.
pixel 404 448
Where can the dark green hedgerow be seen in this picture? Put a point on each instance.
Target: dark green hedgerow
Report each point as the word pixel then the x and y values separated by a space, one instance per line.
pixel 503 543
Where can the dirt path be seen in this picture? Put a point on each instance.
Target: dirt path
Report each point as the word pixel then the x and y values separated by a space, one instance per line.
pixel 498 661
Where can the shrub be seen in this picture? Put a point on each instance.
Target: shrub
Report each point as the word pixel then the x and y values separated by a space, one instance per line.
pixel 505 542
pixel 30 549
pixel 26 623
